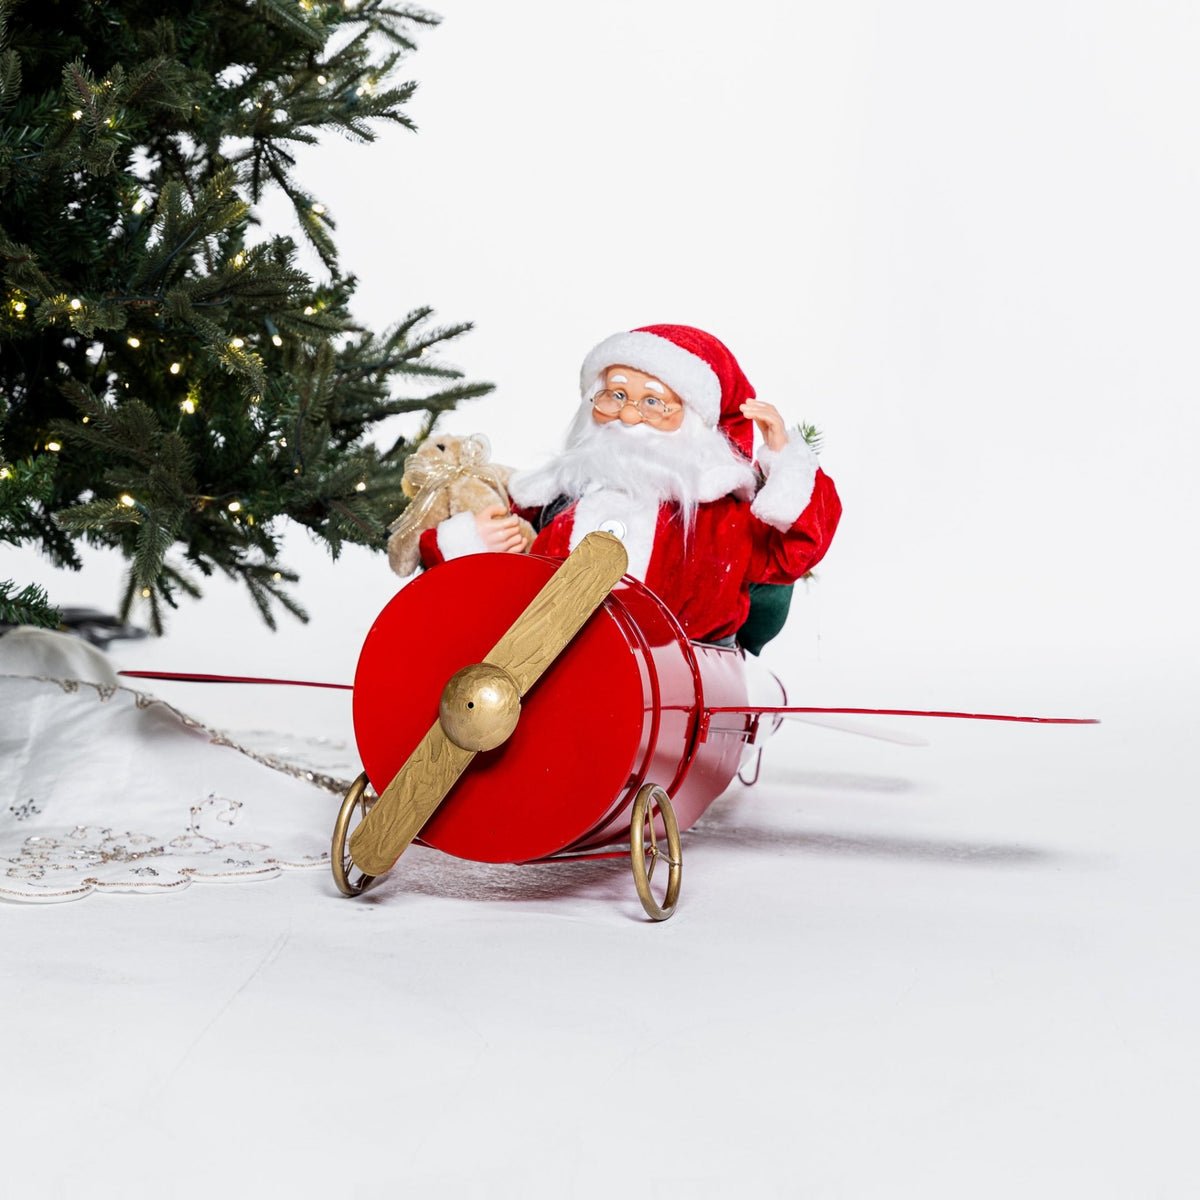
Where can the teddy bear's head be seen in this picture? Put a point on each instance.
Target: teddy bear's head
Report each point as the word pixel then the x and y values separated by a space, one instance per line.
pixel 437 458
pixel 445 475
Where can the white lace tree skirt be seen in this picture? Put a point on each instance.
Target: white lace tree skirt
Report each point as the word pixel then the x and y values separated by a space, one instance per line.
pixel 104 789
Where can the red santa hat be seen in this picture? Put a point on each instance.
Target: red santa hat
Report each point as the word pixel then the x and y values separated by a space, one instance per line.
pixel 697 367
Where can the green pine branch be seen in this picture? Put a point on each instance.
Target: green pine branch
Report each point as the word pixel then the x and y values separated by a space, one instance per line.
pixel 178 388
pixel 24 487
pixel 29 606
pixel 812 436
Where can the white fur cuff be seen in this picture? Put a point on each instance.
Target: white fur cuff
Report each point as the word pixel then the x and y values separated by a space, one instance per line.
pixel 791 474
pixel 459 535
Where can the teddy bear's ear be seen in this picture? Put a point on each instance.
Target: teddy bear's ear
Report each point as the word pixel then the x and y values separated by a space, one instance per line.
pixel 477 448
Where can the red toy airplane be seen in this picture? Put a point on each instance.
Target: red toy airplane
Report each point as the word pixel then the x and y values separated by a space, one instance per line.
pixel 560 712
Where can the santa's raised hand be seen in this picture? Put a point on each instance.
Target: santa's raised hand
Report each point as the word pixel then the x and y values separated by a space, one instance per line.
pixel 769 421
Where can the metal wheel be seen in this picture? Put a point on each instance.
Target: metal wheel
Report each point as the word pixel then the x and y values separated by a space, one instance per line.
pixel 651 802
pixel 349 879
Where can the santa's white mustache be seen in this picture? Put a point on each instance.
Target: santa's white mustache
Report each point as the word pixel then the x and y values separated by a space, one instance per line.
pixel 688 465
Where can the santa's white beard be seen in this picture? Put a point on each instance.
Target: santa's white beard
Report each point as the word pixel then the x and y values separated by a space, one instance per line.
pixel 689 465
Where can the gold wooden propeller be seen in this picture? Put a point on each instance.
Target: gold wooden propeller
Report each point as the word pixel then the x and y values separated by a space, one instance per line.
pixel 481 704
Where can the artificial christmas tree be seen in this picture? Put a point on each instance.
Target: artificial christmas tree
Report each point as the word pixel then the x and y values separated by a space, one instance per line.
pixel 172 383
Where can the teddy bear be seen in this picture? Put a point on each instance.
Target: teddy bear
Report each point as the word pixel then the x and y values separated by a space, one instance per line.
pixel 444 476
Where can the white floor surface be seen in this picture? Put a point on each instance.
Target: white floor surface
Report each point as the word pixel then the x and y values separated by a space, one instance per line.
pixel 965 970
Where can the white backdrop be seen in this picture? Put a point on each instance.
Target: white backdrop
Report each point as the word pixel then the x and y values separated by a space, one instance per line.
pixel 961 239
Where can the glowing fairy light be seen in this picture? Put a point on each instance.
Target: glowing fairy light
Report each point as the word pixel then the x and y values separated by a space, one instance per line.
pixel 360 486
pixel 234 506
pixel 76 304
pixel 278 341
pixel 176 368
pixel 77 114
pixel 54 447
pixel 309 310
pixel 189 405
pixel 134 342
pixel 237 343
pixel 127 500
pixel 319 209
pixel 139 206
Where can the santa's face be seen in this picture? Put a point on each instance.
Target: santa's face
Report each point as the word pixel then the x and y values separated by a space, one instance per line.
pixel 632 449
pixel 632 396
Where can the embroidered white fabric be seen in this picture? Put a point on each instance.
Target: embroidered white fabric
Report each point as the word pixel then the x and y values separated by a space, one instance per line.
pixel 103 788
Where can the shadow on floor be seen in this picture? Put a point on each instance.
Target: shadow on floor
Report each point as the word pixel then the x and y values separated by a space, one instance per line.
pixel 862 845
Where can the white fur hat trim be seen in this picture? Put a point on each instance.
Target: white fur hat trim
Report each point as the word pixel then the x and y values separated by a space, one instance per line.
pixel 690 377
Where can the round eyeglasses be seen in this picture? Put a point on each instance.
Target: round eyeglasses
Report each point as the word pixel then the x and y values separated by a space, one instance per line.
pixel 610 401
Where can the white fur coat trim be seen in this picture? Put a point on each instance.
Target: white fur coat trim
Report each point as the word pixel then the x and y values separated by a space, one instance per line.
pixel 690 377
pixel 726 481
pixel 791 474
pixel 633 522
pixel 459 535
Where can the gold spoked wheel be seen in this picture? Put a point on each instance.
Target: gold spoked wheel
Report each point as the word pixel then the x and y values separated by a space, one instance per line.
pixel 346 875
pixel 645 851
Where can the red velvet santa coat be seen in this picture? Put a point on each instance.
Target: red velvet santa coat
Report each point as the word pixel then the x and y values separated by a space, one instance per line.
pixel 704 580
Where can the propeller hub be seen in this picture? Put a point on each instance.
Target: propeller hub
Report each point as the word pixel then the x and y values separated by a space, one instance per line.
pixel 480 707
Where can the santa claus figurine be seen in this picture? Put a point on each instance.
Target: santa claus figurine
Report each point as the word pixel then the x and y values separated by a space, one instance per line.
pixel 661 454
